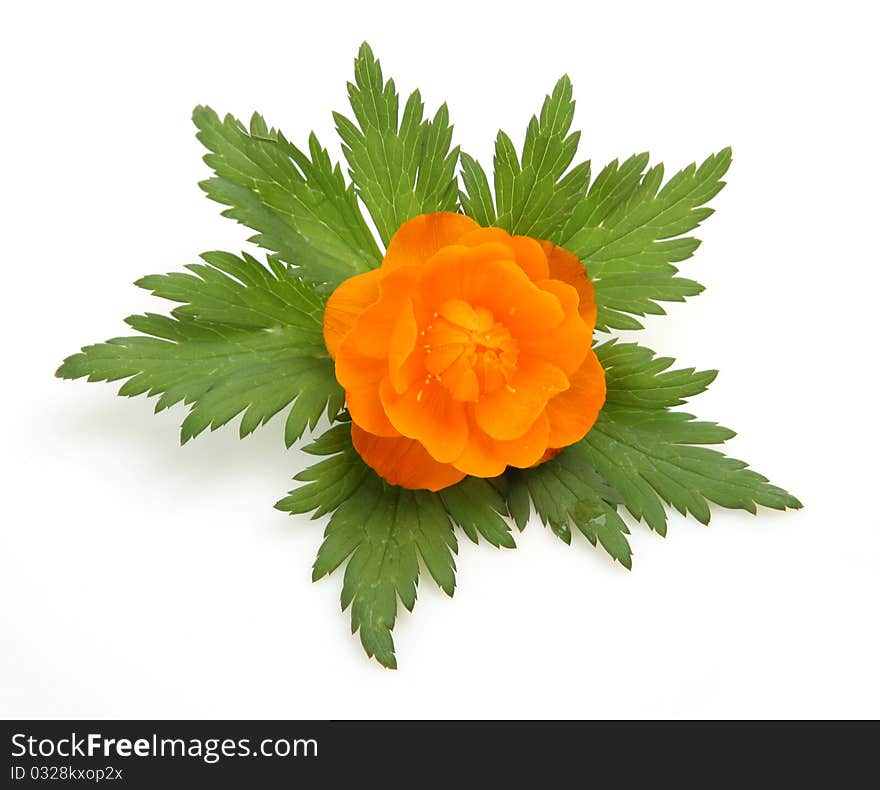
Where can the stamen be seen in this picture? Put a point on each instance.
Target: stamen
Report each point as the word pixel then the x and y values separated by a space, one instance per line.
pixel 467 348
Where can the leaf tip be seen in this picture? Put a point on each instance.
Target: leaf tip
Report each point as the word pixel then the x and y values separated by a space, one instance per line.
pixel 64 370
pixel 201 114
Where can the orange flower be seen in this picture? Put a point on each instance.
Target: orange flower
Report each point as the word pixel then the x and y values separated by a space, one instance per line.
pixel 466 352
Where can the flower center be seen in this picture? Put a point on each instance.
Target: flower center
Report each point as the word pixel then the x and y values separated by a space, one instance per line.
pixel 468 351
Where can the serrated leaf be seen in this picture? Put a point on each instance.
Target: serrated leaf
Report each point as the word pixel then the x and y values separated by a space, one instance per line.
pixel 383 564
pixel 612 186
pixel 246 340
pixel 534 194
pixel 567 491
pixel 649 456
pixel 331 481
pixel 629 232
pixel 390 529
pixel 404 165
pixel 385 531
pixel 477 507
pixel 476 197
pixel 634 376
pixel 299 205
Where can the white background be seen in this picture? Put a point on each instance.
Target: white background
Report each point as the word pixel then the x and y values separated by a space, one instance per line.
pixel 142 579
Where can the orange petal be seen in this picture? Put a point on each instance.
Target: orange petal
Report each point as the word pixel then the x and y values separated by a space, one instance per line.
pixel 510 411
pixel 461 380
pixel 565 345
pixel 420 237
pixel 439 359
pixel 565 266
pixel 402 366
pixel 345 304
pixel 372 330
pixel 531 258
pixel 403 462
pixel 361 376
pixel 460 313
pixel 366 408
pixel 572 413
pixel 487 457
pixel 427 412
pixel 355 370
pixel 478 236
pixel 486 276
pixel 528 254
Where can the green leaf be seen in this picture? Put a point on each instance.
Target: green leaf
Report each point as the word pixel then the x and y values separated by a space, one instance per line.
pixel 534 194
pixel 612 186
pixel 634 376
pixel 477 507
pixel 401 166
pixel 246 339
pixel 330 482
pixel 384 531
pixel 476 198
pixel 299 205
pixel 567 491
pixel 648 455
pixel 642 455
pixel 629 230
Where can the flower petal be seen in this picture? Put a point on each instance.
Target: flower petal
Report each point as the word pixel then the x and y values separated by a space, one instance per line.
pixel 365 408
pixel 427 412
pixel 478 236
pixel 526 252
pixel 360 377
pixel 420 237
pixel 565 345
pixel 345 304
pixel 531 258
pixel 566 266
pixel 403 462
pixel 487 457
pixel 402 363
pixel 572 413
pixel 486 276
pixel 372 330
pixel 510 411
